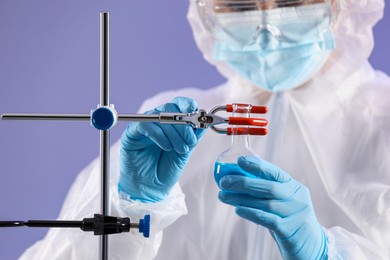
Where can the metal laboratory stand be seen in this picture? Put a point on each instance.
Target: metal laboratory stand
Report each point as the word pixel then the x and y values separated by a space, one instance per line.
pixel 103 118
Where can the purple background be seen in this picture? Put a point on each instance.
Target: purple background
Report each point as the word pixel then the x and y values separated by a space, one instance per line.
pixel 49 63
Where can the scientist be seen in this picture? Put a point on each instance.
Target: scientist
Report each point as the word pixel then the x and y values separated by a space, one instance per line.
pixel 321 186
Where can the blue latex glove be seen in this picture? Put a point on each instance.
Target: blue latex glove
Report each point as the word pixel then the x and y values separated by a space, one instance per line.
pixel 278 202
pixel 153 155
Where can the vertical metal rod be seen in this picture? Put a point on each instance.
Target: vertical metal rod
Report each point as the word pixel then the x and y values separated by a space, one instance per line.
pixel 104 135
pixel 105 185
pixel 104 59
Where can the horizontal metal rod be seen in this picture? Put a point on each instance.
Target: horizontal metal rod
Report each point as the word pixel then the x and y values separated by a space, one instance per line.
pixel 54 223
pixel 16 223
pixel 79 117
pixel 65 117
pixel 43 223
pixel 134 225
pixel 139 118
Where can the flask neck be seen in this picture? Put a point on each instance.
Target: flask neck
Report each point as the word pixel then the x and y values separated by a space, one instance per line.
pixel 240 110
pixel 239 140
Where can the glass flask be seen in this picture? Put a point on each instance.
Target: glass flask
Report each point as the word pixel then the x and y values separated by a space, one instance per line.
pixel 226 163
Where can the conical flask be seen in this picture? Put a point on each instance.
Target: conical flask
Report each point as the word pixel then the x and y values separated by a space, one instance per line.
pixel 227 161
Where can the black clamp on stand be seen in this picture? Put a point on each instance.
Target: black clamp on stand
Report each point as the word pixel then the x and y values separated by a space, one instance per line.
pixel 99 224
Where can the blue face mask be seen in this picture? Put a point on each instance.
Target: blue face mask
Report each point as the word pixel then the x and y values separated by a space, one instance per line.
pixel 282 54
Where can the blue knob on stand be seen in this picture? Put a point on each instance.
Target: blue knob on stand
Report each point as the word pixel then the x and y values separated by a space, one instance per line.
pixel 144 226
pixel 104 117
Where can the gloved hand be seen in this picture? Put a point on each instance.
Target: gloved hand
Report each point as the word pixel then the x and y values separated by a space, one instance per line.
pixel 153 155
pixel 278 202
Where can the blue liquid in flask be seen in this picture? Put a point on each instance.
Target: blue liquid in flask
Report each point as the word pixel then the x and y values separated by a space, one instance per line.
pixel 223 169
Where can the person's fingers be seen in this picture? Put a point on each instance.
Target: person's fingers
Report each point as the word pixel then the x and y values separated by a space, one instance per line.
pixel 185 105
pixel 281 208
pixel 265 219
pixel 181 137
pixel 156 134
pixel 280 228
pixel 262 169
pixel 181 106
pixel 237 199
pixel 175 138
pixel 259 188
pixel 169 168
pixel 136 138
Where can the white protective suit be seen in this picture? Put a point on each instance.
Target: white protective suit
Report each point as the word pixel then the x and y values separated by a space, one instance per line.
pixel 332 134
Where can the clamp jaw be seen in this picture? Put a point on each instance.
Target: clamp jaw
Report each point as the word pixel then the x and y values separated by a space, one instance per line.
pixel 197 119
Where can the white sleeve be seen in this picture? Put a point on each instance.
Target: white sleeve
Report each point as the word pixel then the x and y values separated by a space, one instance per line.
pixel 343 244
pixel 83 201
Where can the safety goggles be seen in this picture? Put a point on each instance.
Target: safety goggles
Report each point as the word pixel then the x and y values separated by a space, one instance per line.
pixel 243 22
